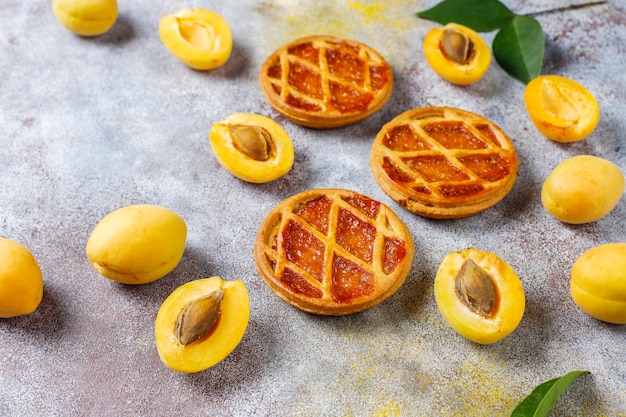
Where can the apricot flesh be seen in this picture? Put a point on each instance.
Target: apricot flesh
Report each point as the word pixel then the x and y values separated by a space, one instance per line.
pixel 199 38
pixel 86 17
pixel 224 336
pixel 598 282
pixel 495 312
pixel 21 281
pixel 582 189
pixel 137 244
pixel 457 53
pixel 252 147
pixel 560 108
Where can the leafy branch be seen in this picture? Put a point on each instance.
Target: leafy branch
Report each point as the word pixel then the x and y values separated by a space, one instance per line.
pixel 519 44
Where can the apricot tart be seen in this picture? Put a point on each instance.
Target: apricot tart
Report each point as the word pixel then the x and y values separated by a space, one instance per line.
pixel 325 82
pixel 333 252
pixel 444 163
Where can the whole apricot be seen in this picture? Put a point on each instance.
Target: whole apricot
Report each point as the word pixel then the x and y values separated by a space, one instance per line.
pixel 86 17
pixel 457 53
pixel 479 295
pixel 562 109
pixel 253 148
pixel 201 322
pixel 199 38
pixel 21 282
pixel 137 244
pixel 598 282
pixel 582 189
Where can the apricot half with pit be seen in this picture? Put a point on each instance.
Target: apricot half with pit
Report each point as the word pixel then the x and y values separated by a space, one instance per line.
pixel 560 108
pixel 137 244
pixel 252 147
pixel 86 17
pixel 598 282
pixel 457 53
pixel 21 282
pixel 201 322
pixel 199 38
pixel 479 295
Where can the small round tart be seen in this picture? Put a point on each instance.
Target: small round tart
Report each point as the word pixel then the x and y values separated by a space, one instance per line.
pixel 325 82
pixel 333 252
pixel 444 163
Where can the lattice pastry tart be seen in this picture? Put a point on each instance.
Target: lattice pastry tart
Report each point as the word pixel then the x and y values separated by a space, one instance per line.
pixel 333 252
pixel 325 82
pixel 444 163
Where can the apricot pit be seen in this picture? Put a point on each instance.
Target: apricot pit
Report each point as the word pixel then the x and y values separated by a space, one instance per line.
pixel 201 322
pixel 479 295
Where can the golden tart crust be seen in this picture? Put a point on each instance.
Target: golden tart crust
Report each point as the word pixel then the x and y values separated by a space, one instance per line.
pixel 333 252
pixel 444 163
pixel 325 82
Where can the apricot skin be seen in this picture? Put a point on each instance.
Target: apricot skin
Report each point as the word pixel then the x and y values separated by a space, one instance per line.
pixel 137 244
pixel 86 17
pixel 460 74
pixel 598 282
pixel 21 282
pixel 222 339
pixel 582 189
pixel 561 109
pixel 510 301
pixel 199 38
pixel 245 168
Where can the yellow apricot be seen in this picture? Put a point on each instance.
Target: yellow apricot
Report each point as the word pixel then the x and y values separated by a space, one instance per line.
pixel 137 244
pixel 479 295
pixel 21 282
pixel 199 38
pixel 561 109
pixel 598 282
pixel 86 17
pixel 457 53
pixel 215 340
pixel 582 189
pixel 251 147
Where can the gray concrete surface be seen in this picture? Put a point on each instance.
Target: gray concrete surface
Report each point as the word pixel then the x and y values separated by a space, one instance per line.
pixel 91 125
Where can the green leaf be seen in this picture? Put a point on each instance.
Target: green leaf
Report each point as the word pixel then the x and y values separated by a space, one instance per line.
pixel 519 47
pixel 480 15
pixel 542 398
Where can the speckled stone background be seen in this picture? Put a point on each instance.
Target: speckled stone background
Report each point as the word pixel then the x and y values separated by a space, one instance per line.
pixel 91 125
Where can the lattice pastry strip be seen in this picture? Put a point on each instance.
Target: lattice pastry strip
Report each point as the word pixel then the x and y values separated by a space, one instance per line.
pixel 333 252
pixel 323 81
pixel 444 163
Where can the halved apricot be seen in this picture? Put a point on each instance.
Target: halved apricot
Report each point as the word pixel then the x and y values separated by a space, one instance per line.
pixel 201 322
pixel 479 295
pixel 457 53
pixel 251 147
pixel 562 109
pixel 199 38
